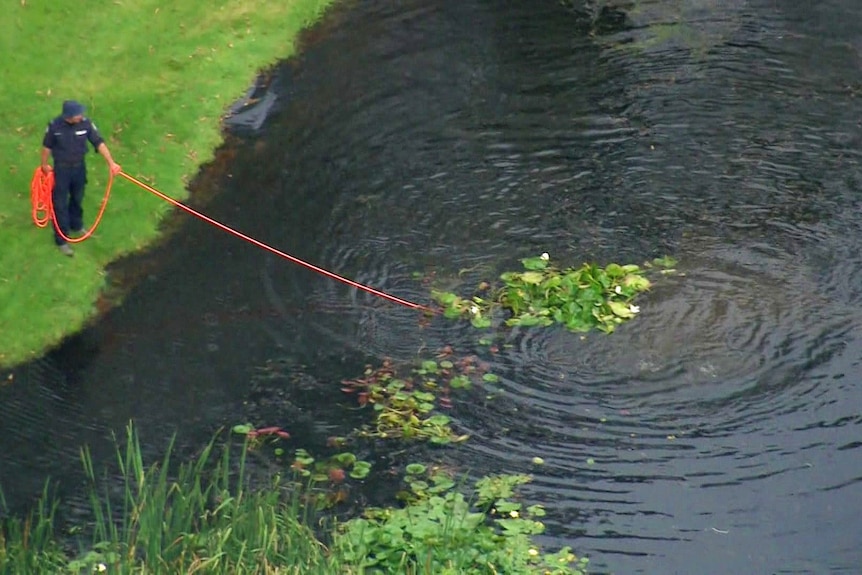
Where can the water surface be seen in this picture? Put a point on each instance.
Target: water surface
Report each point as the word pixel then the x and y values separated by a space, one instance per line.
pixel 716 433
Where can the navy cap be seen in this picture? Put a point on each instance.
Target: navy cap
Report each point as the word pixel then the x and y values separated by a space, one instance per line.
pixel 71 108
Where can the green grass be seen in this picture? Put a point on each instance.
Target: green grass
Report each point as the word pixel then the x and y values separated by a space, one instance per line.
pixel 156 78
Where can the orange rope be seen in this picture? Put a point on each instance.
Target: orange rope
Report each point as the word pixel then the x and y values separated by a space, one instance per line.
pixel 40 194
pixel 40 197
pixel 41 188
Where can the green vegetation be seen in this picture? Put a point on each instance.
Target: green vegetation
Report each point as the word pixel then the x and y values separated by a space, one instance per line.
pixel 405 400
pixel 581 299
pixel 156 78
pixel 208 518
pixel 213 515
pixel 442 531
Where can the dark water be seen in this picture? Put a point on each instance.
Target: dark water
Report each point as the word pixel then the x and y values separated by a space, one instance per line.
pixel 720 432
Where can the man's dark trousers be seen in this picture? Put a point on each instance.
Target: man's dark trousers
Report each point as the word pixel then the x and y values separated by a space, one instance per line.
pixel 69 182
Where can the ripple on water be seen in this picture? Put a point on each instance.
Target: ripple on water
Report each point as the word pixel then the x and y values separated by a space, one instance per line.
pixel 722 352
pixel 721 334
pixel 40 412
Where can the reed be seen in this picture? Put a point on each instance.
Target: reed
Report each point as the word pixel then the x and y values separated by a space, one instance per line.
pixel 202 517
pixel 205 520
pixel 28 545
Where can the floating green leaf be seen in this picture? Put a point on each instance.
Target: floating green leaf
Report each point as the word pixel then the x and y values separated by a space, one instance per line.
pixel 346 459
pixel 615 271
pixel 360 470
pixel 532 278
pixel 620 309
pixel 636 282
pixel 459 382
pixel 537 263
pixel 439 419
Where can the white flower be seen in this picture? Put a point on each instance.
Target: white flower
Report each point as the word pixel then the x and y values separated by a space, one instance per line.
pixel 533 551
pixel 100 567
pixel 618 290
pixel 474 310
pixel 634 308
pixel 545 256
pixel 513 513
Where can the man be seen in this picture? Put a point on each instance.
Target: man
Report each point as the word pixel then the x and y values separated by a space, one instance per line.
pixel 66 140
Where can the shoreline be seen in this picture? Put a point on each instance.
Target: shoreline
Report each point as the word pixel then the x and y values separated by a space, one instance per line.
pixel 258 37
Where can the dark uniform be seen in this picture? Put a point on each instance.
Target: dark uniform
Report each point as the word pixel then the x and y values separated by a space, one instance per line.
pixel 68 145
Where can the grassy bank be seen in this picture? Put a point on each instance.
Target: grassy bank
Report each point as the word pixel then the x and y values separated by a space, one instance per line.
pixel 205 518
pixel 156 78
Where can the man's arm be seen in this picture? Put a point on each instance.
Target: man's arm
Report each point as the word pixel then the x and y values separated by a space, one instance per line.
pixel 46 152
pixel 106 153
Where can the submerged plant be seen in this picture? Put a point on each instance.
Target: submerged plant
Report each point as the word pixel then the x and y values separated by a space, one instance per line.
pixel 581 299
pixel 257 437
pixel 405 401
pixel 323 480
pixel 331 469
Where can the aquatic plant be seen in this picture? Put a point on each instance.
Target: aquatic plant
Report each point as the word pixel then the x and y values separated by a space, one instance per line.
pixel 29 545
pixel 442 531
pixel 199 517
pixel 581 299
pixel 405 400
pixel 330 469
pixel 322 478
pixel 259 436
pixel 323 482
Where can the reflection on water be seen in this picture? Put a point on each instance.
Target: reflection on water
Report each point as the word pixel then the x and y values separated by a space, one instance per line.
pixel 717 433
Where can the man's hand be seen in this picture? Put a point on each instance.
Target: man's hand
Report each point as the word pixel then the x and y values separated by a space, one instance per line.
pixel 106 153
pixel 46 169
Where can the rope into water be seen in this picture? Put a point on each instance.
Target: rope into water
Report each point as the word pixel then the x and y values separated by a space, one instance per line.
pixel 40 194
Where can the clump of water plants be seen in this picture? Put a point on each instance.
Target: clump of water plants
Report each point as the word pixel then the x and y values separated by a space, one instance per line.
pixel 331 469
pixel 406 401
pixel 581 299
pixel 326 477
pixel 441 530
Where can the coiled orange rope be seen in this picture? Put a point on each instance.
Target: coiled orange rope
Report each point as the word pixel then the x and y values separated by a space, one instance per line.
pixel 41 188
